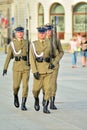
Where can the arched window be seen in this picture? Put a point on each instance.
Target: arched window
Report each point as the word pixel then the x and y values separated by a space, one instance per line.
pixel 80 18
pixel 58 10
pixel 40 15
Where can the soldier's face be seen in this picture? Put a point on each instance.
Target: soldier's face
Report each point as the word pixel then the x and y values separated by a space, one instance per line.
pixel 48 33
pixel 19 35
pixel 41 35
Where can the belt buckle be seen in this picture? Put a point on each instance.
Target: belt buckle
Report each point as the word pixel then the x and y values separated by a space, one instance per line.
pixel 43 59
pixel 16 58
pixel 20 58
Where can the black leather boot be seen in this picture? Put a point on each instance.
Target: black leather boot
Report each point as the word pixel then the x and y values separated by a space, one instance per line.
pixel 16 101
pixel 45 107
pixel 43 102
pixel 52 105
pixel 23 106
pixel 36 105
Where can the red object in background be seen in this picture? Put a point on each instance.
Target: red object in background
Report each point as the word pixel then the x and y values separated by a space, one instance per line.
pixel 4 21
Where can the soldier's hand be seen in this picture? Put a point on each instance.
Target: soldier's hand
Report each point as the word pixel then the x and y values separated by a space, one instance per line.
pixel 52 56
pixel 51 66
pixel 4 72
pixel 47 59
pixel 37 75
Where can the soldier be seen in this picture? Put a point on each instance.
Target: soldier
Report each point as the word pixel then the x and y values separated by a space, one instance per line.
pixel 18 50
pixel 56 56
pixel 40 61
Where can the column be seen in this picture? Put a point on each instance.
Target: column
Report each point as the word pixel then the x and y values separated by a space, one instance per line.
pixel 68 23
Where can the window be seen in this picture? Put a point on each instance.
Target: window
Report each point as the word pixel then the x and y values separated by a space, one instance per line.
pixel 40 15
pixel 58 11
pixel 80 18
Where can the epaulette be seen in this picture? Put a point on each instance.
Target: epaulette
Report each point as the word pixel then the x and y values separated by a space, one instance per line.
pixel 35 41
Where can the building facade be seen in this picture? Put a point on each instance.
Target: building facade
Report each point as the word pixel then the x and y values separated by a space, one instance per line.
pixel 71 16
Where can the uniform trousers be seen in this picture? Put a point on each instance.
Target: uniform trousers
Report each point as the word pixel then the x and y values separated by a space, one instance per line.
pixel 18 77
pixel 54 81
pixel 42 83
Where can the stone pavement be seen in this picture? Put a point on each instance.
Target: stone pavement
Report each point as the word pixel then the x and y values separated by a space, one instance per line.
pixel 71 100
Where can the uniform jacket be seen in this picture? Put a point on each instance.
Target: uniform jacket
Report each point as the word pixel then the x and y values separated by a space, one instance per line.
pixel 41 67
pixel 17 65
pixel 58 52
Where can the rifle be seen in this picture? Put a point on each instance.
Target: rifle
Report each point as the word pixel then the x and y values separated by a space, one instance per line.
pixel 28 42
pixel 55 31
pixel 53 41
pixel 51 44
pixel 51 49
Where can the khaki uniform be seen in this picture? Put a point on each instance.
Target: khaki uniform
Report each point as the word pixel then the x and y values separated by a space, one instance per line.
pixel 58 55
pixel 20 68
pixel 41 67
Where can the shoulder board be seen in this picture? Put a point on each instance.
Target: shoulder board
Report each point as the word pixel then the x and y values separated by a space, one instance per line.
pixel 24 39
pixel 35 41
pixel 14 40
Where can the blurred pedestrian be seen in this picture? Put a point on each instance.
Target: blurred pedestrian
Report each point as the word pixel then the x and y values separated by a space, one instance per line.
pixel 79 39
pixel 84 50
pixel 73 50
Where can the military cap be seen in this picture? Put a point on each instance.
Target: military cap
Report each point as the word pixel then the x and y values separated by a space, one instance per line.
pixel 49 26
pixel 41 29
pixel 19 29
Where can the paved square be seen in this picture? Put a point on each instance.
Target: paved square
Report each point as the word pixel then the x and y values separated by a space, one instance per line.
pixel 71 100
